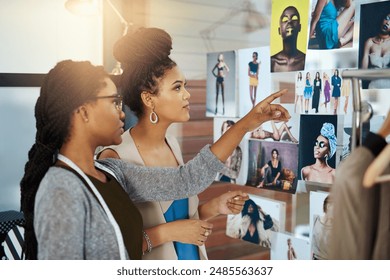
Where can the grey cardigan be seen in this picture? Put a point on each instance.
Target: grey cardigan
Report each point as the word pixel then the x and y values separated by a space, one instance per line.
pixel 69 222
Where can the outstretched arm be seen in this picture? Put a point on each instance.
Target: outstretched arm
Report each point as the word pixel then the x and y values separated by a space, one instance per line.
pixel 151 184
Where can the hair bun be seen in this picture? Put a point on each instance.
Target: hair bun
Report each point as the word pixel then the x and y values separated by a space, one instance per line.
pixel 145 45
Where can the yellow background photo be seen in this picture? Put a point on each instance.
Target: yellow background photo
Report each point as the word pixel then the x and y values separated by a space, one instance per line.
pixel 276 44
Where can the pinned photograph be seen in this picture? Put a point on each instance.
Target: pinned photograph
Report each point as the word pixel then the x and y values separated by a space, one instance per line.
pixel 321 221
pixel 279 131
pixel 322 92
pixel 236 166
pixel 273 166
pixel 288 247
pixel 331 24
pixel 253 77
pixel 259 218
pixel 288 35
pixel 221 85
pixel 319 143
pixel 374 41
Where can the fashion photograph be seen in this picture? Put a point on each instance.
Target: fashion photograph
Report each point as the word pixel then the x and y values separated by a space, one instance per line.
pixel 331 24
pixel 253 77
pixel 259 219
pixel 319 143
pixel 286 246
pixel 221 85
pixel 323 92
pixel 279 131
pixel 374 41
pixel 321 222
pixel 236 166
pixel 273 165
pixel 289 35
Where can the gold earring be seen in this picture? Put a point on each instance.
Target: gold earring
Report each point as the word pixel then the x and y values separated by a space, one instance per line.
pixel 153 117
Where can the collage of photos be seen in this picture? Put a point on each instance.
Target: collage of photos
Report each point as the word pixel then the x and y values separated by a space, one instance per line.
pixel 311 43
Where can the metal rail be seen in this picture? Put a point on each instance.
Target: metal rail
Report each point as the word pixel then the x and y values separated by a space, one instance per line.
pixel 356 76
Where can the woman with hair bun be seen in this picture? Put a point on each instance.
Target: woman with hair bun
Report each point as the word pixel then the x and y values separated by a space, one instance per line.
pixel 324 148
pixel 154 88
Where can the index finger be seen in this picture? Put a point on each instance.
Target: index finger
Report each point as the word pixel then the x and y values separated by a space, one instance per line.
pixel 275 95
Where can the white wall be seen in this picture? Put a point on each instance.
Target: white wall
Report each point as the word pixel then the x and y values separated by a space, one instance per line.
pixel 224 21
pixel 35 35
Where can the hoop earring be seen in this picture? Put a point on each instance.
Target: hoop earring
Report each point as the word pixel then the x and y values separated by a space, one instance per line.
pixel 153 117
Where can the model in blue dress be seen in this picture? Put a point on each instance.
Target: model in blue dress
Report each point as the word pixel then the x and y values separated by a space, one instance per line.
pixel 332 23
pixel 307 93
pixel 336 85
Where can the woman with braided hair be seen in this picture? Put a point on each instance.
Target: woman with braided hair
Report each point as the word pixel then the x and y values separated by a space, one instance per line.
pixel 79 208
pixel 154 88
pixel 324 148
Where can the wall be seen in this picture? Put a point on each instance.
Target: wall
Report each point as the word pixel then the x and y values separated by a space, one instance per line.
pixel 34 36
pixel 201 26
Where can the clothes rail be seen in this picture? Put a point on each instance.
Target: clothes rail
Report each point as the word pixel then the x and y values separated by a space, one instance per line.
pixel 356 76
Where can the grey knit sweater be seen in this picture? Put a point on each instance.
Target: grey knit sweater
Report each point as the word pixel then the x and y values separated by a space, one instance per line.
pixel 70 223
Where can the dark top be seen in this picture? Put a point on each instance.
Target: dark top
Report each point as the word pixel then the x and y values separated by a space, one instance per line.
pixel 254 238
pixel 375 143
pixel 275 171
pixel 125 213
pixel 253 67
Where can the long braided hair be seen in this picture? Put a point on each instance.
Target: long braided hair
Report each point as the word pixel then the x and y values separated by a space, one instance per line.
pixel 144 56
pixel 65 88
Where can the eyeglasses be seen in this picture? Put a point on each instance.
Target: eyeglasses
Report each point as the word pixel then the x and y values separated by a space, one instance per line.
pixel 320 144
pixel 118 100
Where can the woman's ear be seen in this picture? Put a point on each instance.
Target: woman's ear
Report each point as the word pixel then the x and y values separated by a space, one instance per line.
pixel 147 99
pixel 83 112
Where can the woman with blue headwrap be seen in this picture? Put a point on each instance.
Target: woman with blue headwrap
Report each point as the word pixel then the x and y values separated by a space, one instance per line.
pixel 324 148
